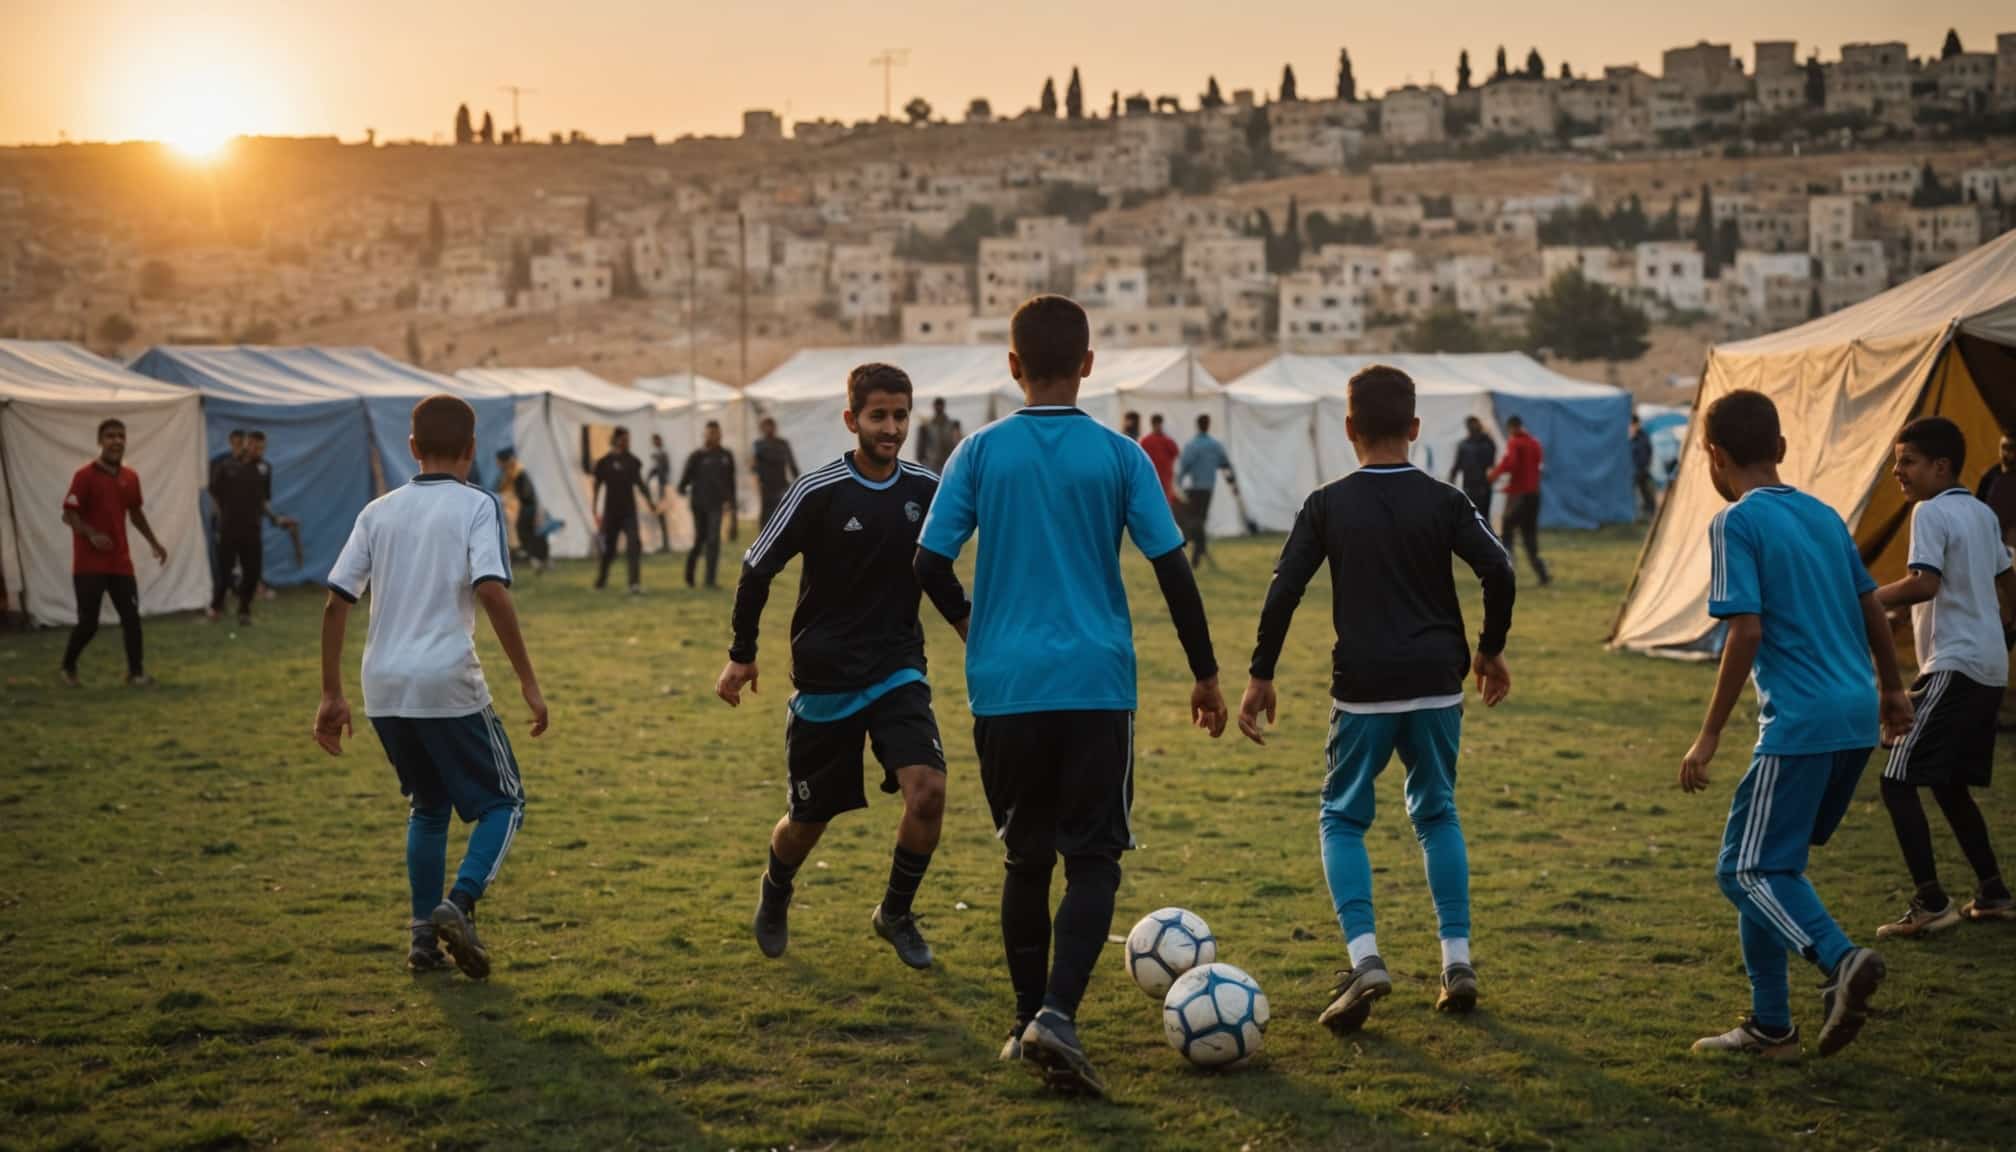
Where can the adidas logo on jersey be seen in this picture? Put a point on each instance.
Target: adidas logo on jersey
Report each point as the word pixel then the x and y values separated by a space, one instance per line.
pixel 853 524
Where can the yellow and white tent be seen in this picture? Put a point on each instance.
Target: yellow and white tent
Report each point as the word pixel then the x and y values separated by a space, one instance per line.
pixel 1943 344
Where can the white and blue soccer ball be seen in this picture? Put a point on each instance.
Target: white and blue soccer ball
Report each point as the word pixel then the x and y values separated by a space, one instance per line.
pixel 1216 1016
pixel 1166 944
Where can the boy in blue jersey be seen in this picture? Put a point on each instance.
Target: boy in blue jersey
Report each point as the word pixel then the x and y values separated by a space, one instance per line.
pixel 428 553
pixel 857 656
pixel 1050 662
pixel 1801 608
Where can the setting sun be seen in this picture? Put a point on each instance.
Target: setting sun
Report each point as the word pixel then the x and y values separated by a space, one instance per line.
pixel 202 143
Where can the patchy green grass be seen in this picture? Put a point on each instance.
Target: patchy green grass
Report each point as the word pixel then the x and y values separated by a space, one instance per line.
pixel 201 917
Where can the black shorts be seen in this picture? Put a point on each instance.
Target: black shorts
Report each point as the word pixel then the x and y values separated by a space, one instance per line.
pixel 1952 738
pixel 826 763
pixel 1059 782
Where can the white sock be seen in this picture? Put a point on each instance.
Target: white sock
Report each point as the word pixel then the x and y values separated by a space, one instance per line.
pixel 1361 947
pixel 1456 951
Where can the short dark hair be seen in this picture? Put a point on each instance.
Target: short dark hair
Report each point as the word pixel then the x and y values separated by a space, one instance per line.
pixel 256 434
pixel 1051 335
pixel 504 454
pixel 1514 423
pixel 236 434
pixel 1744 425
pixel 1156 419
pixel 1635 419
pixel 444 426
pixel 1381 402
pixel 714 424
pixel 618 430
pixel 109 423
pixel 1204 422
pixel 1936 438
pixel 867 379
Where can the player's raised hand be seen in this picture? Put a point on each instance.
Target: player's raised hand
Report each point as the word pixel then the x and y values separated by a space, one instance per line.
pixel 1694 767
pixel 1494 679
pixel 332 724
pixel 1259 699
pixel 1898 715
pixel 536 701
pixel 733 678
pixel 1207 707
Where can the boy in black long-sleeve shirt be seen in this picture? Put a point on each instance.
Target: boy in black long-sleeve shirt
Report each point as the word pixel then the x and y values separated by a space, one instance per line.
pixel 1388 532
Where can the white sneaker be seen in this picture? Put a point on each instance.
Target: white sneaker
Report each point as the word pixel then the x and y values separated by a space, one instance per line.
pixel 1918 920
pixel 1748 1039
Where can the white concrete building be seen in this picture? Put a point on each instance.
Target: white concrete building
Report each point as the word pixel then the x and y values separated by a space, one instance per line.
pixel 1613 268
pixel 2005 70
pixel 1881 181
pixel 1978 185
pixel 1671 273
pixel 1149 327
pixel 942 285
pixel 1317 314
pixel 1064 240
pixel 1771 289
pixel 1216 270
pixel 1011 271
pixel 1115 288
pixel 866 280
pixel 935 323
pixel 564 278
pixel 1851 273
pixel 1519 107
pixel 1939 235
pixel 1834 221
pixel 1413 115
pixel 1675 108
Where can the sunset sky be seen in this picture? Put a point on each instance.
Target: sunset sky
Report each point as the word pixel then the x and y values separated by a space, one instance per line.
pixel 197 70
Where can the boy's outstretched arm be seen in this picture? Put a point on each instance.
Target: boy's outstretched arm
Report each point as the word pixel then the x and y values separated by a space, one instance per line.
pixel 938 579
pixel 1301 556
pixel 752 592
pixel 1193 630
pixel 497 604
pixel 1739 652
pixel 1896 711
pixel 1487 557
pixel 332 719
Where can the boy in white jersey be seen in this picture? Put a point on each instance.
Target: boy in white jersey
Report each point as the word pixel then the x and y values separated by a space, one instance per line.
pixel 1960 591
pixel 428 552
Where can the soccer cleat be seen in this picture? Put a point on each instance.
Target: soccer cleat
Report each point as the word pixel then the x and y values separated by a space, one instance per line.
pixel 140 680
pixel 69 677
pixel 773 922
pixel 1749 1039
pixel 1459 990
pixel 212 615
pixel 1845 1000
pixel 1918 920
pixel 902 934
pixel 458 932
pixel 1051 1050
pixel 425 954
pixel 244 619
pixel 1982 909
pixel 1012 1050
pixel 1356 989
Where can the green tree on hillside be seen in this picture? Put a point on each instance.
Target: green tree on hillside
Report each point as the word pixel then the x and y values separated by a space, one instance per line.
pixel 1952 47
pixel 1463 70
pixel 1704 232
pixel 488 133
pixel 1074 97
pixel 1048 104
pixel 464 134
pixel 1816 82
pixel 1212 98
pixel 1501 72
pixel 918 110
pixel 1288 83
pixel 1347 85
pixel 1536 68
pixel 1578 319
pixel 1444 329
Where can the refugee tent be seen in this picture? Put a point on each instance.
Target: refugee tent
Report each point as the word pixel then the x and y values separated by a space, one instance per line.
pixel 1666 424
pixel 565 418
pixel 711 400
pixel 390 388
pixel 1942 344
pixel 807 393
pixel 1270 436
pixel 52 398
pixel 1582 427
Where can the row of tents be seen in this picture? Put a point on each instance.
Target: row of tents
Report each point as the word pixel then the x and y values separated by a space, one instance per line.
pixel 337 421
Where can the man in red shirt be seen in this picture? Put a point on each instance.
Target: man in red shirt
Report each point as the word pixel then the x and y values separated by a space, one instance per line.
pixel 1162 452
pixel 1521 468
pixel 103 495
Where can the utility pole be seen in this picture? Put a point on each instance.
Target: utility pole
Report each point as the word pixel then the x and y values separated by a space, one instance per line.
pixel 692 331
pixel 742 242
pixel 517 131
pixel 890 60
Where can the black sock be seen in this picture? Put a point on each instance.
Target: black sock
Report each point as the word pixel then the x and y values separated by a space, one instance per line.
pixel 1914 835
pixel 906 872
pixel 781 874
pixel 1970 828
pixel 464 901
pixel 1025 931
pixel 1084 917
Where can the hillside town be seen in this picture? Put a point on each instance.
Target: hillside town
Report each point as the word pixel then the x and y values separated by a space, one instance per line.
pixel 1718 198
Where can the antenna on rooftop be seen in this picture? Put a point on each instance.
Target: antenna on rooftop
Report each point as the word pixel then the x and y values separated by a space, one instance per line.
pixel 517 131
pixel 890 60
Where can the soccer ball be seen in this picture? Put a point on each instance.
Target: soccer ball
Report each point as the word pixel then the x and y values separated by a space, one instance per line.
pixel 1165 945
pixel 1215 1015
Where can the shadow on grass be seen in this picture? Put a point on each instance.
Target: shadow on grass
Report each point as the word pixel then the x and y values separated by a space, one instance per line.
pixel 554 1088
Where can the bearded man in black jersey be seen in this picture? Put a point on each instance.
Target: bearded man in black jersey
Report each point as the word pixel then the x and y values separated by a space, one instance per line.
pixel 857 656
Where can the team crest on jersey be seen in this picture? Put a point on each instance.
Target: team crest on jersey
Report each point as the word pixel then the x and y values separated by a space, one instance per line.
pixel 911 510
pixel 853 524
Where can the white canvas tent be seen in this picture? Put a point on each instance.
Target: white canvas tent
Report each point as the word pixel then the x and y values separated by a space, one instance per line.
pixel 52 397
pixel 1943 344
pixel 807 393
pixel 1270 434
pixel 563 423
pixel 711 400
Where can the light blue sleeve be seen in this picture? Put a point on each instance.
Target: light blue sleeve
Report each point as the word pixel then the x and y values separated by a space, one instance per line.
pixel 1733 587
pixel 1149 520
pixel 954 510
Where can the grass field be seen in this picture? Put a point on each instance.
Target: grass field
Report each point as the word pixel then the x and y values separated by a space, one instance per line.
pixel 202 917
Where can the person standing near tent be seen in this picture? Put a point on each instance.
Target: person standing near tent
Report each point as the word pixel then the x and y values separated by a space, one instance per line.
pixel 1472 469
pixel 255 451
pixel 709 487
pixel 221 566
pixel 1130 426
pixel 1641 467
pixel 1162 452
pixel 937 437
pixel 512 477
pixel 1997 489
pixel 1197 471
pixel 103 495
pixel 661 477
pixel 1521 468
pixel 242 494
pixel 620 476
pixel 775 466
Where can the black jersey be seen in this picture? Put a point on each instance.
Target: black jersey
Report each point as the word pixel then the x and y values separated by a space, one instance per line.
pixel 856 622
pixel 1389 535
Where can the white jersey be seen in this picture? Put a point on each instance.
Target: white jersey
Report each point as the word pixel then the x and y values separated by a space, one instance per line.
pixel 1960 630
pixel 421 550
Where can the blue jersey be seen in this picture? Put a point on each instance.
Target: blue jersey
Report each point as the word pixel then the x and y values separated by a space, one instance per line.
pixel 1050 491
pixel 1202 460
pixel 1785 557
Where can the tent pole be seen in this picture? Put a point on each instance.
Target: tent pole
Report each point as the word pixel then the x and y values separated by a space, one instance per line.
pixel 14 525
